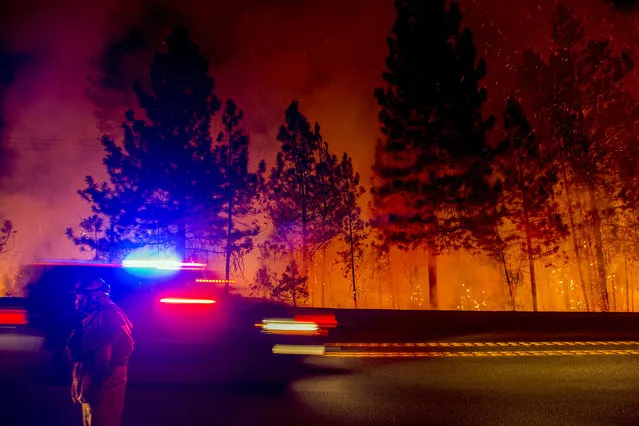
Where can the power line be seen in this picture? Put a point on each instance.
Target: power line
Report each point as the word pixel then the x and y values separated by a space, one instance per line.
pixel 55 144
pixel 53 139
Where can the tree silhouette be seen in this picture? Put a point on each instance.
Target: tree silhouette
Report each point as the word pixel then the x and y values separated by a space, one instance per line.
pixel 583 109
pixel 292 285
pixel 263 282
pixel 162 188
pixel 326 169
pixel 301 194
pixel 353 228
pixel 6 233
pixel 432 168
pixel 527 200
pixel 239 188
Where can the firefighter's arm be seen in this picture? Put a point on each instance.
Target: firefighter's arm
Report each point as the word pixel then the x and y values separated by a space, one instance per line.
pixel 102 359
pixel 74 345
pixel 106 328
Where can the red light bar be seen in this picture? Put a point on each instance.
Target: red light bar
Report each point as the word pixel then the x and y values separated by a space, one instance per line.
pixel 324 321
pixel 186 301
pixel 142 264
pixel 206 280
pixel 13 317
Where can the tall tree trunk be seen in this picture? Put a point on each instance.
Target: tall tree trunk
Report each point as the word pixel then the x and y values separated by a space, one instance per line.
pixel 323 155
pixel 511 289
pixel 575 243
pixel 391 281
pixel 625 260
pixel 294 295
pixel 313 269
pixel 531 266
pixel 566 295
pixel 323 277
pixel 304 220
pixel 380 291
pixel 613 284
pixel 599 252
pixel 592 278
pixel 613 292
pixel 229 248
pixel 632 293
pixel 529 247
pixel 229 224
pixel 352 248
pixel 305 263
pixel 364 293
pixel 432 279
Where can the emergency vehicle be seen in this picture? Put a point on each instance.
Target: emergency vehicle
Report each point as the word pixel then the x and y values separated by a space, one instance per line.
pixel 186 326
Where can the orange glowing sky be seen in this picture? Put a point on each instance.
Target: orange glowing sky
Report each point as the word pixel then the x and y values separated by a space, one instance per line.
pixel 328 54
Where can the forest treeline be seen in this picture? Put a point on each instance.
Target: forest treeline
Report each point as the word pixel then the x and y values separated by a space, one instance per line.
pixel 548 184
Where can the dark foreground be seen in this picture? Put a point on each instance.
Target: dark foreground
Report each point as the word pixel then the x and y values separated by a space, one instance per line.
pixel 515 390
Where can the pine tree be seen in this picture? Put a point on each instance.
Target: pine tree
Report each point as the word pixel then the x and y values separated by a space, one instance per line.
pixel 535 81
pixel 580 110
pixel 292 285
pixel 265 277
pixel 432 169
pixel 326 169
pixel 161 190
pixel 301 193
pixel 239 188
pixel 263 282
pixel 353 228
pixel 90 237
pixel 292 184
pixel 527 199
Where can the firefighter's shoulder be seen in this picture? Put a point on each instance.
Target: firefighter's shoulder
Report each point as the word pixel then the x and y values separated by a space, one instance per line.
pixel 112 316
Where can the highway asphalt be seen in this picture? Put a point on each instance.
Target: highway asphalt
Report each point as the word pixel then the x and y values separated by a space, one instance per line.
pixel 596 384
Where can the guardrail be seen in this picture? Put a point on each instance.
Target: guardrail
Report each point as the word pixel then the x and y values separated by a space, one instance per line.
pixel 402 326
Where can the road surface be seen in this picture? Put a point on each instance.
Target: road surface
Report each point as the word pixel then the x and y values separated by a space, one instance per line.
pixel 508 384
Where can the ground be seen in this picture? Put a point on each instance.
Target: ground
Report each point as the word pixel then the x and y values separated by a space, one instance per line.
pixel 495 390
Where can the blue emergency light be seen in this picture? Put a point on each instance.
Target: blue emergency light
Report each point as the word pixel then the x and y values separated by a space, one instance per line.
pixel 163 265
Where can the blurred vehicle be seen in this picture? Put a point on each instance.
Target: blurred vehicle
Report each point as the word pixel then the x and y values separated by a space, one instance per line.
pixel 186 327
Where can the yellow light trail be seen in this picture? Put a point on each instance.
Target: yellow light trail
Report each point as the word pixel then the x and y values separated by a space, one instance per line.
pixel 374 354
pixel 481 344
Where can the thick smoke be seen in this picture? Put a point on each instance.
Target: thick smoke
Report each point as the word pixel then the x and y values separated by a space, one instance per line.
pixel 109 90
pixel 86 56
pixel 123 62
